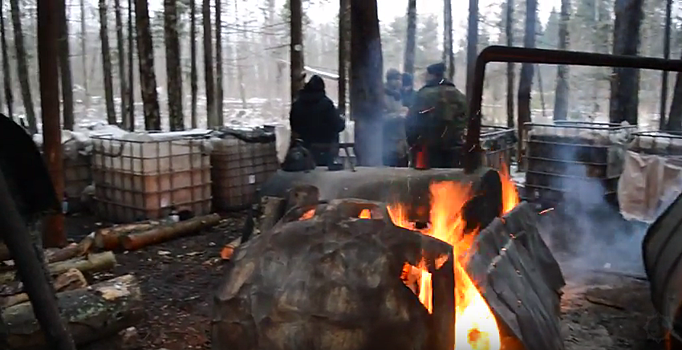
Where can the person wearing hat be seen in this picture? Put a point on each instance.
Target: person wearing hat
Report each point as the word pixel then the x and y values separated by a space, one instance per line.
pixel 436 121
pixel 395 143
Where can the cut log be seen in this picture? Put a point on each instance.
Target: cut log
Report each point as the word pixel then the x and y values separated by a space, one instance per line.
pixel 110 238
pixel 228 249
pixel 89 264
pixel 72 250
pixel 69 280
pixel 347 295
pixel 101 310
pixel 165 233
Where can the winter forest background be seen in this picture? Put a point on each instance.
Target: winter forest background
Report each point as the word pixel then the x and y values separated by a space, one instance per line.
pixel 249 60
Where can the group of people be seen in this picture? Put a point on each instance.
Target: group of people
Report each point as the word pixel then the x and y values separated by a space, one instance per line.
pixel 431 121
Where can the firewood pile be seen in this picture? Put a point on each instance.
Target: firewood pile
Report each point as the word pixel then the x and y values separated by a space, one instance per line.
pixel 93 310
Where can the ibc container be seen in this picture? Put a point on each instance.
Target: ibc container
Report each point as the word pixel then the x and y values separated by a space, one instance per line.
pixel 77 176
pixel 241 161
pixel 573 158
pixel 499 144
pixel 145 179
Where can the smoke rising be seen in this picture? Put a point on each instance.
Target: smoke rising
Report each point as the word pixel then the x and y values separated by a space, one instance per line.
pixel 586 231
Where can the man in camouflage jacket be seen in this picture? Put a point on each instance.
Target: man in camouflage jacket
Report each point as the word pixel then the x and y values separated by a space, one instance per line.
pixel 437 120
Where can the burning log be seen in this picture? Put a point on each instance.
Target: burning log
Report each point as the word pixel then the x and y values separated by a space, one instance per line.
pixel 661 251
pixel 520 279
pixel 334 280
pixel 69 280
pixel 165 233
pixel 88 264
pixel 102 310
pixel 393 185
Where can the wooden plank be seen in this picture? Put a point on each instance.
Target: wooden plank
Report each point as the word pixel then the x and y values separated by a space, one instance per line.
pixel 518 290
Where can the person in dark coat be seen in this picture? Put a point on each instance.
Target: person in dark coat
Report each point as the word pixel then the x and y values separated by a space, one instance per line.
pixel 316 122
pixel 436 122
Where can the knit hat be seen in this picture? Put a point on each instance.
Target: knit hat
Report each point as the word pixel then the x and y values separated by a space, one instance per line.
pixel 392 74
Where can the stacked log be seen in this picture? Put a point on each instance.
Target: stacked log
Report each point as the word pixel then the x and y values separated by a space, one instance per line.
pixel 92 312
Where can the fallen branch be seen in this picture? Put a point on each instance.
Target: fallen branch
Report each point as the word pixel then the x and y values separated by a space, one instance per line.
pixel 92 313
pixel 69 280
pixel 109 238
pixel 228 249
pixel 165 233
pixel 88 264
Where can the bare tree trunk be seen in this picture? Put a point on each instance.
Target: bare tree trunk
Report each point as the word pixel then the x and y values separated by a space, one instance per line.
pixel 472 43
pixel 65 67
pixel 208 65
pixel 121 61
pixel 344 31
pixel 296 47
pixel 22 67
pixel 675 116
pixel 562 87
pixel 6 74
pixel 366 87
pixel 448 53
pixel 410 41
pixel 526 78
pixel 173 67
pixel 145 54
pixel 193 60
pixel 508 30
pixel 106 64
pixel 625 81
pixel 666 55
pixel 219 63
pixel 130 119
pixel 84 56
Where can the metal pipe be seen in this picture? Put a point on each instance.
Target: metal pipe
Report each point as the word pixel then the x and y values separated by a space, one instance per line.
pixel 472 156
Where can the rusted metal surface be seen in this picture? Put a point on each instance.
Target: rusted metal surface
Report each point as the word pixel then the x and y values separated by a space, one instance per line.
pixel 333 282
pixel 54 234
pixel 520 279
pixel 662 255
pixel 472 159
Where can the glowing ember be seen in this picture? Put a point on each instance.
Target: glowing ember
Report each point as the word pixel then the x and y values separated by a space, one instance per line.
pixel 307 215
pixel 365 214
pixel 475 327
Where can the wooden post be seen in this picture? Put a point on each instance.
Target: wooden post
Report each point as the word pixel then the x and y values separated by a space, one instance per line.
pixel 296 47
pixel 53 234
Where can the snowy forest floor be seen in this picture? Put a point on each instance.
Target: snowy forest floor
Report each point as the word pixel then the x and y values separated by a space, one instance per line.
pixel 178 279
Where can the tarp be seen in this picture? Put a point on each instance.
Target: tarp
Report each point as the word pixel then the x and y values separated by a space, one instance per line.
pixel 647 182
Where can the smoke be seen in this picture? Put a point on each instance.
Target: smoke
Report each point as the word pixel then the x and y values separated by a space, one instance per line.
pixel 586 231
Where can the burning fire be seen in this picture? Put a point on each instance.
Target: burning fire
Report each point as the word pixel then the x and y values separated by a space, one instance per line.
pixel 475 326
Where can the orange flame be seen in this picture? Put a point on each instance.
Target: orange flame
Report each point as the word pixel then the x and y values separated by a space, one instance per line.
pixel 365 214
pixel 475 327
pixel 510 194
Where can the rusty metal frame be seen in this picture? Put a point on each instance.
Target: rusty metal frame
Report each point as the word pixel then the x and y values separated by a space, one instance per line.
pixel 472 156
